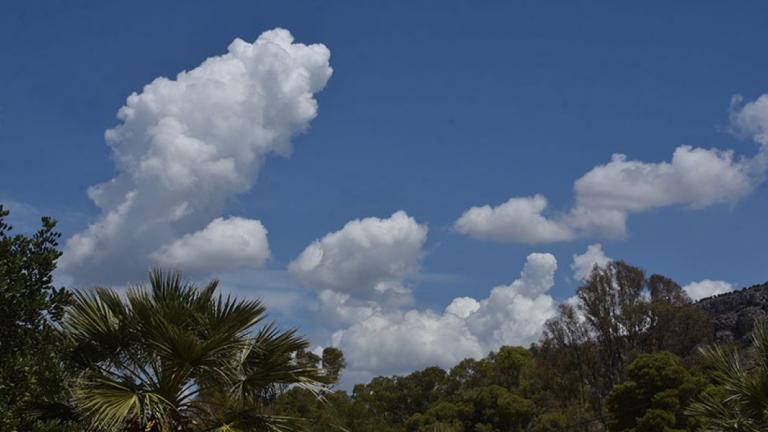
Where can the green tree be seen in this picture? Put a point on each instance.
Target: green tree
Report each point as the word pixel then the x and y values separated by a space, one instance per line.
pixel 674 323
pixel 332 363
pixel 395 399
pixel 175 357
pixel 470 373
pixel 550 422
pixel 334 412
pixel 32 372
pixel 619 314
pixel 484 409
pixel 739 402
pixel 510 367
pixel 653 398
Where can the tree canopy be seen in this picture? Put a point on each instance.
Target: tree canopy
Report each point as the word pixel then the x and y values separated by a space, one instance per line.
pixel 630 353
pixel 32 373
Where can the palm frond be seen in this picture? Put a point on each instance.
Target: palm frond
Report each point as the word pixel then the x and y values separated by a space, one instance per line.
pixel 95 316
pixel 179 355
pixel 270 360
pixel 743 404
pixel 109 403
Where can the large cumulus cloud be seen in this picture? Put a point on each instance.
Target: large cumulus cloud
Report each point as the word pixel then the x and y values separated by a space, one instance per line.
pixel 381 339
pixel 186 146
pixel 368 259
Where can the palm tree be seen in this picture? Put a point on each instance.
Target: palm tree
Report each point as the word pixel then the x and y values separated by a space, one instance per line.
pixel 740 402
pixel 175 357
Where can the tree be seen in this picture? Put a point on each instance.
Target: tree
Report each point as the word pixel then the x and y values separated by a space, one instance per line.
pixel 567 367
pixel 32 373
pixel 395 399
pixel 739 403
pixel 469 373
pixel 653 398
pixel 510 365
pixel 333 362
pixel 175 357
pixel 483 409
pixel 614 308
pixel 619 314
pixel 550 422
pixel 675 324
pixel 334 412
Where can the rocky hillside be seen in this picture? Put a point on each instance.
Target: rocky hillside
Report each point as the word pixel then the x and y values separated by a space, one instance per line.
pixel 734 313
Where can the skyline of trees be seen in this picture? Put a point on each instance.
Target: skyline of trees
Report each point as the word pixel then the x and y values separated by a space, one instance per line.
pixel 632 354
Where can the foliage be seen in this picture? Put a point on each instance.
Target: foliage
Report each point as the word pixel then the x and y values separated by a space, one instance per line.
pixel 485 395
pixel 619 314
pixel 550 422
pixel 609 361
pixel 32 374
pixel 653 398
pixel 489 409
pixel 172 356
pixel 739 403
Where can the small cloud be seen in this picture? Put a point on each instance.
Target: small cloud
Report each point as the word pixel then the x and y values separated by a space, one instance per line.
pixel 707 288
pixel 225 244
pixel 583 264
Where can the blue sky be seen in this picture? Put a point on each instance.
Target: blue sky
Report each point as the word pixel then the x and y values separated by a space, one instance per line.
pixel 432 108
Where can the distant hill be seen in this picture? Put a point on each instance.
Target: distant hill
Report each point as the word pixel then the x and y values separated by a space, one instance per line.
pixel 734 313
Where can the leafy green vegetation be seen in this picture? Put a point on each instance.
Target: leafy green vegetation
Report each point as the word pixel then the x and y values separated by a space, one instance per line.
pixel 738 401
pixel 181 357
pixel 625 356
pixel 652 397
pixel 32 371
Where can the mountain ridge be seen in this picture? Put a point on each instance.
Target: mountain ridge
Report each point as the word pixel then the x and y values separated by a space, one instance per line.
pixel 734 313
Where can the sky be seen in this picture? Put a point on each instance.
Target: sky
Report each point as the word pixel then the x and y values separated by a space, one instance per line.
pixel 413 182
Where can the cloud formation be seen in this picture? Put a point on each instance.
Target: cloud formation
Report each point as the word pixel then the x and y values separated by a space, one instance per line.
pixel 187 146
pixel 225 244
pixel 707 288
pixel 388 340
pixel 751 118
pixel 583 264
pixel 518 220
pixel 361 275
pixel 608 193
pixel 368 259
pixel 695 177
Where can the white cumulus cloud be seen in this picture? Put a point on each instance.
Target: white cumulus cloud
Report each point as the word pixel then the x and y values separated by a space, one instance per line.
pixel 707 288
pixel 608 193
pixel 517 220
pixel 463 307
pixel 225 244
pixel 187 146
pixel 583 264
pixel 696 177
pixel 369 258
pixel 387 340
pixel 751 118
